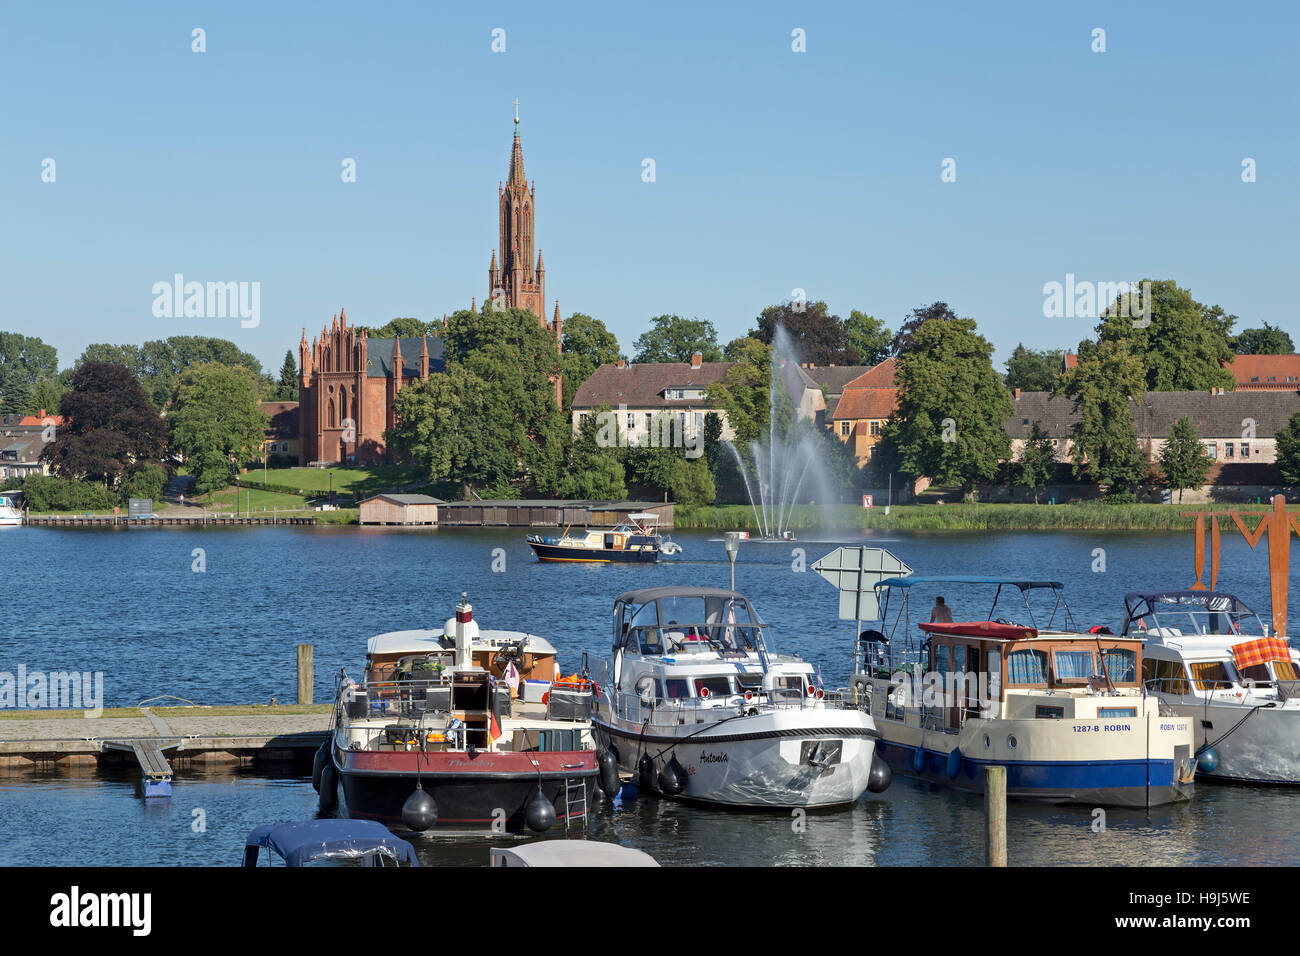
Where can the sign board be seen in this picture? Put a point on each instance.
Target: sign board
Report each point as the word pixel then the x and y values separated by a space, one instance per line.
pixel 139 507
pixel 855 571
pixel 866 501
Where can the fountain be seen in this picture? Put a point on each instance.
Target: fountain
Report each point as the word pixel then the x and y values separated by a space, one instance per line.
pixel 788 458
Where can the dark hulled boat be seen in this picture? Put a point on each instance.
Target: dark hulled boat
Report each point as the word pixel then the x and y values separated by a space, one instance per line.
pixel 635 541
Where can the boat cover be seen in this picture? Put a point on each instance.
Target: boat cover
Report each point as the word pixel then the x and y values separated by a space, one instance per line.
pixel 1261 651
pixel 300 843
pixel 990 629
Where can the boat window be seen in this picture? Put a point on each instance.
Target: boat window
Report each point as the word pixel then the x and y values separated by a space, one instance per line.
pixel 715 686
pixel 651 643
pixel 1105 712
pixel 749 681
pixel 941 658
pixel 1258 673
pixel 1074 665
pixel 646 615
pixel 675 688
pixel 1027 666
pixel 1286 670
pixel 1164 676
pixel 1121 665
pixel 1209 675
pixel 1049 713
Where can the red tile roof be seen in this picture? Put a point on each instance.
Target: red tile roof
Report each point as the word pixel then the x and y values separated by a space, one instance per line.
pixel 878 376
pixel 859 403
pixel 641 385
pixel 1266 372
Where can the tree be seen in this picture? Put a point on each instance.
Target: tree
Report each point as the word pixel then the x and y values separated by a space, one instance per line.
pixel 952 404
pixel 585 346
pixel 109 425
pixel 1268 340
pixel 1288 452
pixel 163 360
pixel 1033 371
pixel 868 337
pixel 903 338
pixel 593 471
pixel 1183 459
pixel 672 338
pixel 215 421
pixel 27 358
pixel 1102 384
pixel 287 388
pixel 15 390
pixel 406 328
pixel 816 335
pixel 1037 464
pixel 743 392
pixel 45 395
pixel 1181 344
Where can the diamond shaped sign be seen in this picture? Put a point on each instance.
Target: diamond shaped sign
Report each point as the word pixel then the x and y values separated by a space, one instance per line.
pixel 855 570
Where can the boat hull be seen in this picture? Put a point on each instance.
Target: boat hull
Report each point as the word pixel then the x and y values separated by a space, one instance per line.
pixel 487 791
pixel 1127 762
pixel 1254 745
pixel 758 761
pixel 559 553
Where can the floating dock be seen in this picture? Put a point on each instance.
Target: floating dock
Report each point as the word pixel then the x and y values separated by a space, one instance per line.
pixel 123 521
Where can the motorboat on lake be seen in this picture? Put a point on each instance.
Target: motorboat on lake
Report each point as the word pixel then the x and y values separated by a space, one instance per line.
pixel 696 705
pixel 636 540
pixel 460 728
pixel 1065 712
pixel 1208 657
pixel 11 513
pixel 362 842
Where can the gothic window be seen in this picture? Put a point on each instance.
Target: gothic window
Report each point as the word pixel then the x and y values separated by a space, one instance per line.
pixel 330 402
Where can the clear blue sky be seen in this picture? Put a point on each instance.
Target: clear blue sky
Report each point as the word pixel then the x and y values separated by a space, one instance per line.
pixel 775 169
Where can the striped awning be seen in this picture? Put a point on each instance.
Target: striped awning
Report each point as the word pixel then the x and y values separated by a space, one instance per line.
pixel 1260 651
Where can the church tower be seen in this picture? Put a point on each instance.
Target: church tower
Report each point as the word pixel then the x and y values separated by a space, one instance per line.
pixel 521 278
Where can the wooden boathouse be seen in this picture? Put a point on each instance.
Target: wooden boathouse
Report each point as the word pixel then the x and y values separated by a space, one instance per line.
pixel 549 513
pixel 400 510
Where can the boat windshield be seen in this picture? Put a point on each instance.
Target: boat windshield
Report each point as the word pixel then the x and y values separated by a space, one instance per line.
pixel 1189 614
pixel 680 623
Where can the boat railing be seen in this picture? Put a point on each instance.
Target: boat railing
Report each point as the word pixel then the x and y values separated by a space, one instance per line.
pixel 680 711
pixel 397 698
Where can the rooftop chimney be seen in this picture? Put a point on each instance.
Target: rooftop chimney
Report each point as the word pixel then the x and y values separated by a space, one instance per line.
pixel 697 359
pixel 622 363
pixel 1017 391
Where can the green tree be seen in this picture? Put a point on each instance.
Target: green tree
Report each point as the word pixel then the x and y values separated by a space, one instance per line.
pixel 15 391
pixel 1181 344
pixel 743 392
pixel 816 334
pixel 145 481
pixel 45 394
pixel 1037 464
pixel 109 425
pixel 952 405
pixel 1183 459
pixel 672 338
pixel 24 360
pixel 1033 371
pixel 287 388
pixel 585 346
pixel 163 360
pixel 1268 340
pixel 1288 452
pixel 918 317
pixel 868 336
pixel 215 421
pixel 1103 385
pixel 593 470
pixel 406 328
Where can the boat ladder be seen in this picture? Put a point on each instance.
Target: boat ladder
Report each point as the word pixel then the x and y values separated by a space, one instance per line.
pixel 575 801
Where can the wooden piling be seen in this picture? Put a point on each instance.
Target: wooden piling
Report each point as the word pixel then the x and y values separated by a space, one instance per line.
pixel 306 676
pixel 995 807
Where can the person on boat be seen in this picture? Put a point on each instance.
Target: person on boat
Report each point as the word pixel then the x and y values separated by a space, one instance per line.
pixel 942 614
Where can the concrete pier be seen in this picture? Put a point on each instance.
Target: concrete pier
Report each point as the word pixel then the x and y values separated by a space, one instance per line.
pixel 226 739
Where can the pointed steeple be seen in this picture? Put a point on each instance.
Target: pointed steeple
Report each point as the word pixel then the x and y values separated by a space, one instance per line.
pixel 540 267
pixel 516 177
pixel 473 304
pixel 424 357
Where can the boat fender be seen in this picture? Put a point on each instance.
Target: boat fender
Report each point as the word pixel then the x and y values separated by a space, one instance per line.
pixel 318 764
pixel 329 785
pixel 954 763
pixel 646 773
pixel 540 813
pixel 419 812
pixel 608 764
pixel 1207 761
pixel 919 760
pixel 672 777
pixel 880 777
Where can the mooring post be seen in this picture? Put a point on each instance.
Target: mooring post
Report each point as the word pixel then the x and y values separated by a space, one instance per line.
pixel 306 678
pixel 995 807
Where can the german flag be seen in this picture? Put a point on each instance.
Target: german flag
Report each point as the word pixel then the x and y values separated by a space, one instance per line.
pixel 494 729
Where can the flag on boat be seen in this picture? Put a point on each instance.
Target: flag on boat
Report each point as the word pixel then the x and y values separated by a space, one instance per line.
pixel 820 685
pixel 1261 651
pixel 494 729
pixel 729 635
pixel 511 677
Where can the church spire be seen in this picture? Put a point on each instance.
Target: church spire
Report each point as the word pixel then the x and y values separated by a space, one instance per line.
pixel 516 176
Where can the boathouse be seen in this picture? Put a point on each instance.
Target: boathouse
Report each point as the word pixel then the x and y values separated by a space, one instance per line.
pixel 400 510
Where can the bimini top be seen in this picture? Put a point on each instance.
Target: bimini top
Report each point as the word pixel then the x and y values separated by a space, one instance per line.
pixel 658 594
pixel 914 580
pixel 300 843
pixel 1140 601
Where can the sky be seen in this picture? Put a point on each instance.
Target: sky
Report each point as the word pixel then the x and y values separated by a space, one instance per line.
pixel 774 170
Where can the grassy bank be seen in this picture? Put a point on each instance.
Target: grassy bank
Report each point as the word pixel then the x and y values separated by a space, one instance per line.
pixel 1086 516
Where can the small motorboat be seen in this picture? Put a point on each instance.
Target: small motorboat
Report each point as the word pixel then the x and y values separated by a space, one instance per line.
pixel 346 841
pixel 636 540
pixel 463 729
pixel 695 705
pixel 1208 657
pixel 1063 711
pixel 11 514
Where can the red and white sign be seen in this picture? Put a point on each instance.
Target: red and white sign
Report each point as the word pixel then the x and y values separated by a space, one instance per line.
pixel 866 501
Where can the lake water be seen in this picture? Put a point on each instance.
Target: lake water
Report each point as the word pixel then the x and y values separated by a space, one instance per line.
pixel 130 604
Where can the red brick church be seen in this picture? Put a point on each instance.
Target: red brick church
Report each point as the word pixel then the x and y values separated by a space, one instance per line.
pixel 348 380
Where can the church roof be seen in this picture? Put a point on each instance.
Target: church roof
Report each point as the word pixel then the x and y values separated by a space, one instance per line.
pixel 379 357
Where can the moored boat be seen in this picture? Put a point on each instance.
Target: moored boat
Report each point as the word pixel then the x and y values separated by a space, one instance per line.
pixel 1064 712
pixel 637 540
pixel 695 705
pixel 446 729
pixel 1208 658
pixel 11 514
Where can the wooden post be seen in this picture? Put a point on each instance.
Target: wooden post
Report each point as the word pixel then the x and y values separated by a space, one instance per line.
pixel 995 807
pixel 306 677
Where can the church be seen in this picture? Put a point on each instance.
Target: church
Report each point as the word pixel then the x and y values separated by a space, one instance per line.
pixel 348 380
